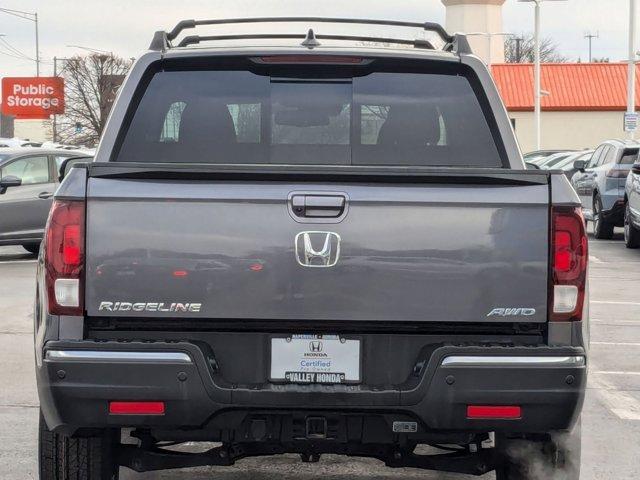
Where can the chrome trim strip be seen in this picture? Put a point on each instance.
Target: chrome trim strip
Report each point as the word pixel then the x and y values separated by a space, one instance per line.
pixel 543 361
pixel 116 356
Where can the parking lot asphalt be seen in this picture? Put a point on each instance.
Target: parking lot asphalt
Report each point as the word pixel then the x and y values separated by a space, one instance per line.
pixel 611 418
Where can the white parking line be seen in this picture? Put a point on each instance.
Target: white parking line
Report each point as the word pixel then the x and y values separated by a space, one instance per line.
pixel 18 261
pixel 607 302
pixel 621 323
pixel 600 372
pixel 622 344
pixel 621 404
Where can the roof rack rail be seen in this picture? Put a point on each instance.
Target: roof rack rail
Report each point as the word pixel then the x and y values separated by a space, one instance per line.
pixel 454 43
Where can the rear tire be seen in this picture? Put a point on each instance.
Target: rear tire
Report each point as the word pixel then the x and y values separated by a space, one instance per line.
pixel 33 248
pixel 556 458
pixel 602 229
pixel 631 233
pixel 90 458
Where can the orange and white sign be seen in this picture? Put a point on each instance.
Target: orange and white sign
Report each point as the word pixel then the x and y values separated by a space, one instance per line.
pixel 32 97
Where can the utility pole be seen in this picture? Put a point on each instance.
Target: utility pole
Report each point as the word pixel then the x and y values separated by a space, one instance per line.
pixel 631 84
pixel 590 36
pixel 54 123
pixel 35 16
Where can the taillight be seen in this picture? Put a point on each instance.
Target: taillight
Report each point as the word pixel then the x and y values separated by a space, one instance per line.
pixel 615 173
pixel 569 264
pixel 64 257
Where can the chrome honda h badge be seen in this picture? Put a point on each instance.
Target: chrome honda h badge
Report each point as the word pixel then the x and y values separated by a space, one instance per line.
pixel 317 249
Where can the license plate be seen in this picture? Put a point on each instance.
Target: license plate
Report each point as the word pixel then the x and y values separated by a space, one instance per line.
pixel 322 359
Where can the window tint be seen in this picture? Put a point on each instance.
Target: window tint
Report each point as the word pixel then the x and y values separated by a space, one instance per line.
pixel 30 170
pixel 629 156
pixel 378 119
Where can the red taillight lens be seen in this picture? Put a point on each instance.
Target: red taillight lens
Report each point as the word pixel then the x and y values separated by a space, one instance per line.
pixel 569 264
pixel 64 257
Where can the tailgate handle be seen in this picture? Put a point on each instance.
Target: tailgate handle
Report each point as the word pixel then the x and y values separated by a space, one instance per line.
pixel 314 206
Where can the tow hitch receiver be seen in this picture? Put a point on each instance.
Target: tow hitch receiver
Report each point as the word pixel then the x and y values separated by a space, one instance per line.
pixel 316 428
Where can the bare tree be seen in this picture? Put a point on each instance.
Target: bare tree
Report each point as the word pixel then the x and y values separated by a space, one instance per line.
pixel 91 83
pixel 521 49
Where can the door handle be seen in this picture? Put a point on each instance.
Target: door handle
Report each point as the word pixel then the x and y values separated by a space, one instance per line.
pixel 45 195
pixel 318 206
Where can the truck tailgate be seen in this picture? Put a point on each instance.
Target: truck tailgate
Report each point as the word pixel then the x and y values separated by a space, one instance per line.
pixel 423 252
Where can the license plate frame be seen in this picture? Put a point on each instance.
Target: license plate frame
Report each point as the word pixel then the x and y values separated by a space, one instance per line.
pixel 337 349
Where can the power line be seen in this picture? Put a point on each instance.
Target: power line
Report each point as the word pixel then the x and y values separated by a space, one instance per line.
pixel 15 50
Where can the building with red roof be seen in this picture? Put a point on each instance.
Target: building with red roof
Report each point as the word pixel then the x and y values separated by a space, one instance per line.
pixel 582 104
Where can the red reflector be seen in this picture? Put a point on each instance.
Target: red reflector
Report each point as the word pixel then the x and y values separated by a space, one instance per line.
pixel 136 408
pixel 180 273
pixel 256 267
pixel 493 412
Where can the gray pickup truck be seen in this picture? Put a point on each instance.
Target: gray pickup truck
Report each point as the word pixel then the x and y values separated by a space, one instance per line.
pixel 315 244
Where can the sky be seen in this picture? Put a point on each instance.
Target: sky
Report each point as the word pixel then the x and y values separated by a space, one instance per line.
pixel 126 27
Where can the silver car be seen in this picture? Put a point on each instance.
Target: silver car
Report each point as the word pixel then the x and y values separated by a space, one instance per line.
pixel 28 180
pixel 600 183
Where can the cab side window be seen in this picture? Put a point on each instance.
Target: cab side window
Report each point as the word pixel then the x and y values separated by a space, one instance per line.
pixel 31 170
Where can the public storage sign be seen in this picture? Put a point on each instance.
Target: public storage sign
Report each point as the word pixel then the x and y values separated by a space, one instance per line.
pixel 32 97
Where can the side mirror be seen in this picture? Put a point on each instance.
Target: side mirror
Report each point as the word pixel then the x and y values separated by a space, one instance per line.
pixel 580 165
pixel 9 181
pixel 68 164
pixel 531 166
pixel 636 168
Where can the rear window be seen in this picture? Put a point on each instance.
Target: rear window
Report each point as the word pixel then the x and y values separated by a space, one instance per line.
pixel 241 117
pixel 629 157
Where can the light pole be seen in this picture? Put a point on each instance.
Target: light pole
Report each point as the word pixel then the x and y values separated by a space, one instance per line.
pixel 631 83
pixel 32 17
pixel 537 94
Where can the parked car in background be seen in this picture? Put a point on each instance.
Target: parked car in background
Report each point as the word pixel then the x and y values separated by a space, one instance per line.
pixel 539 154
pixel 601 184
pixel 17 142
pixel 28 179
pixel 542 160
pixel 549 162
pixel 567 163
pixel 632 207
